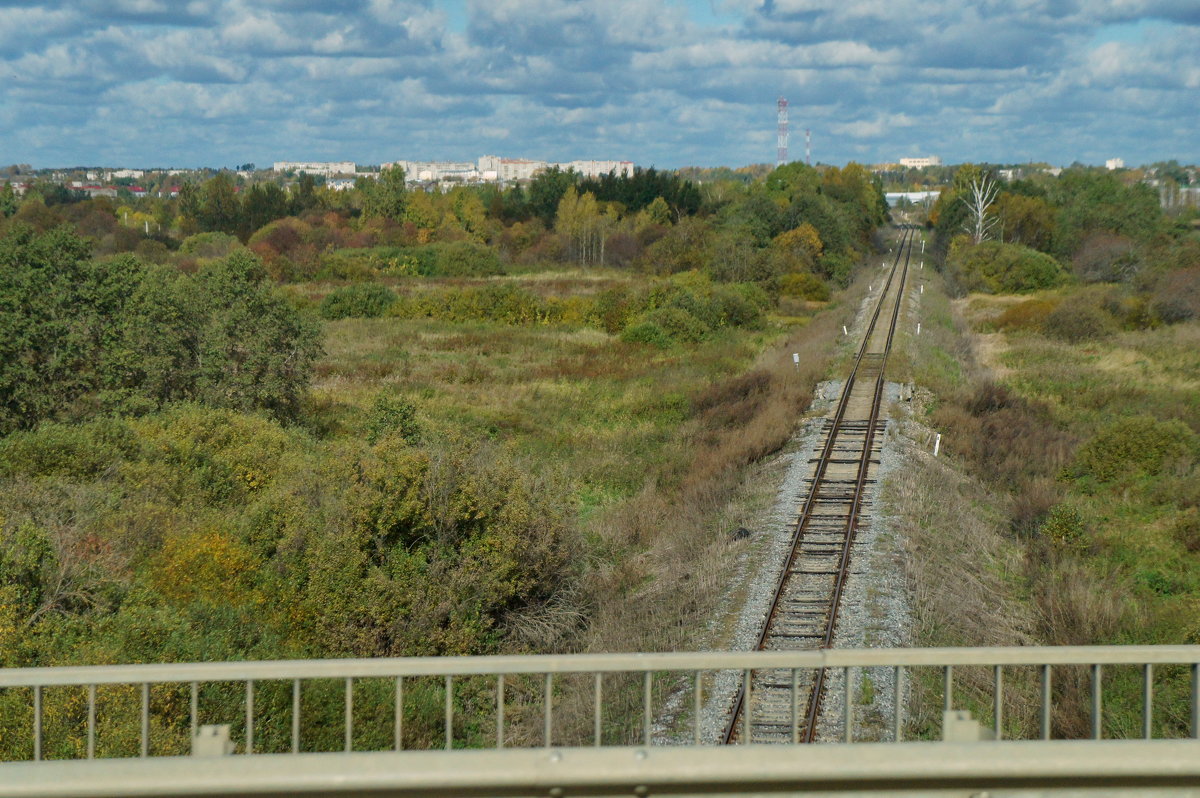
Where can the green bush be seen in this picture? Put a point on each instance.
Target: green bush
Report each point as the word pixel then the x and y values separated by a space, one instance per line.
pixel 1063 527
pixel 1135 446
pixel 209 245
pixel 1079 319
pixel 999 268
pixel 804 285
pixel 464 259
pixel 836 267
pixel 75 451
pixel 361 300
pixel 678 325
pixel 646 332
pixel 393 415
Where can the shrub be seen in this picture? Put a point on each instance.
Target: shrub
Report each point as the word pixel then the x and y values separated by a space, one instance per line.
pixel 1028 315
pixel 804 285
pixel 393 415
pixel 1078 319
pixel 1063 527
pixel 362 300
pixel 836 267
pixel 678 324
pixel 76 451
pixel 1137 445
pixel 997 268
pixel 738 305
pixel 1186 530
pixel 613 309
pixel 465 259
pixel 209 245
pixel 1177 297
pixel 646 332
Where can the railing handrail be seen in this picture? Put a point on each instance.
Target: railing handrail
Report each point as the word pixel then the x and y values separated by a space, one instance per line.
pixel 268 670
pixel 1131 767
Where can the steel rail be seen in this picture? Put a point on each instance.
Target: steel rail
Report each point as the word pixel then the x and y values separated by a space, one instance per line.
pixel 817 691
pixel 823 461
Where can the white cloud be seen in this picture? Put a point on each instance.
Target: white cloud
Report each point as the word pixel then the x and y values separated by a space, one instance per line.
pixel 629 78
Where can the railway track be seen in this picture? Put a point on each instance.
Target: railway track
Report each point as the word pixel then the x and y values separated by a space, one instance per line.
pixel 804 610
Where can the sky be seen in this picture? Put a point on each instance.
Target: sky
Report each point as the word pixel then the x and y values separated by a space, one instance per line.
pixel 665 83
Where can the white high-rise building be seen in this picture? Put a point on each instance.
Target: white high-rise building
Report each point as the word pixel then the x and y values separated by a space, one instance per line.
pixel 510 168
pixel 921 163
pixel 436 170
pixel 597 168
pixel 327 168
pixel 1114 163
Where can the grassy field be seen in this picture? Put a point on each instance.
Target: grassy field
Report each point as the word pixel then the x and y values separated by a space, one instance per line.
pixel 1075 465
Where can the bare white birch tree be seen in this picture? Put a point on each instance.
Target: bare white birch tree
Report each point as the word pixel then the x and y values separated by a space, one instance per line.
pixel 982 193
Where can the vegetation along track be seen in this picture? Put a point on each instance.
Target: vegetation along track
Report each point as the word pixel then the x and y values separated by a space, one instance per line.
pixel 804 611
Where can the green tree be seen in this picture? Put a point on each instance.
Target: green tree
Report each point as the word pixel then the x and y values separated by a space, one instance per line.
pixel 220 208
pixel 8 201
pixel 46 330
pixel 546 190
pixel 385 198
pixel 254 350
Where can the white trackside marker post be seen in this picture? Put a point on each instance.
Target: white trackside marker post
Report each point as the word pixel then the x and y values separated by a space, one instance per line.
pixel 922 289
pixel 844 330
pixel 796 359
pixel 937 444
pixel 922 246
pixel 918 328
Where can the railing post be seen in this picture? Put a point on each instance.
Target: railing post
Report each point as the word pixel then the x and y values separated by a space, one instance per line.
pixel 145 752
pixel 597 715
pixel 194 708
pixel 295 716
pixel 1097 710
pixel 249 716
pixel 647 688
pixel 91 722
pixel 37 723
pixel 449 712
pixel 1147 701
pixel 1196 700
pixel 500 710
pixel 998 702
pixel 348 723
pixel 849 709
pixel 548 710
pixel 398 720
pixel 747 712
pixel 1046 706
pixel 795 706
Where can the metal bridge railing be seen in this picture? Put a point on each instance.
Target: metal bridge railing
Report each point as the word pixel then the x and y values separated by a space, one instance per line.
pixel 480 706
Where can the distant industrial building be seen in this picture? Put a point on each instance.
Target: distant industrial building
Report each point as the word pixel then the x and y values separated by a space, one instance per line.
pixel 327 168
pixel 921 163
pixel 1114 163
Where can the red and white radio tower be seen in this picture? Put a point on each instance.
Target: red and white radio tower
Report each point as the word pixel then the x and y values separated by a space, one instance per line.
pixel 781 151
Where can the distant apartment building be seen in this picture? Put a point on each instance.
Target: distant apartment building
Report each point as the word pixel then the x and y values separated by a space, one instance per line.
pixel 493 167
pixel 1114 163
pixel 921 163
pixel 597 168
pixel 426 171
pixel 327 168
